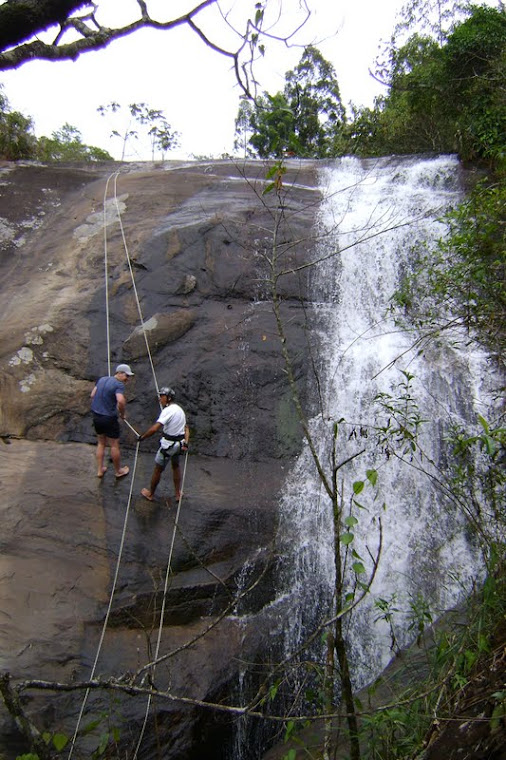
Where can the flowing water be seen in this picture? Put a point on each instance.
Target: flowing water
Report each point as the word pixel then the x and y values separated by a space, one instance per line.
pixel 373 214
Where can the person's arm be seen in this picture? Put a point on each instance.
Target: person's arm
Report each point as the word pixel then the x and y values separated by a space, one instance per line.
pixel 186 440
pixel 121 404
pixel 92 394
pixel 151 431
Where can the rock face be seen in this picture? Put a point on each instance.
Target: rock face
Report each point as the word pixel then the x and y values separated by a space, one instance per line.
pixel 185 251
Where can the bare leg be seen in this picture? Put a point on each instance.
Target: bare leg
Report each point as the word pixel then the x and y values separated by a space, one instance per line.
pixel 155 479
pixel 116 457
pixel 100 453
pixel 176 475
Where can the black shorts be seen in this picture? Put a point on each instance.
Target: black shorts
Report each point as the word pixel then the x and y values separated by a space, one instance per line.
pixel 108 426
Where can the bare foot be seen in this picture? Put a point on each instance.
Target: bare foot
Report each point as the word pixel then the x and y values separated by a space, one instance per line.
pixel 121 473
pixel 147 494
pixel 101 472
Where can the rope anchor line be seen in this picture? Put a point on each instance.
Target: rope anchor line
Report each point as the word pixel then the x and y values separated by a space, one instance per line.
pixel 132 482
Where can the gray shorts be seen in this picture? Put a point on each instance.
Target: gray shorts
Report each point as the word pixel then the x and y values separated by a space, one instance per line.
pixel 164 455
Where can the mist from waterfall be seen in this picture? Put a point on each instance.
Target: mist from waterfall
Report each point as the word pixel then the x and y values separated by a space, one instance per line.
pixel 373 213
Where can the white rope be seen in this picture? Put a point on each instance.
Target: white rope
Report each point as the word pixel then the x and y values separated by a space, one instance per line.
pixel 107 330
pixel 113 589
pixel 162 611
pixel 133 284
pixel 132 480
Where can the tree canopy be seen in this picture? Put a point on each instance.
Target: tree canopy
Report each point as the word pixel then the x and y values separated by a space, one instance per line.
pixel 446 98
pixel 306 119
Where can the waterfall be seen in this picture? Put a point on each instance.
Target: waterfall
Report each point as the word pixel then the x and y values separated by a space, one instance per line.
pixel 373 213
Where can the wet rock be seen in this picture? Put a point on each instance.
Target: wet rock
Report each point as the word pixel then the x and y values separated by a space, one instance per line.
pixel 157 332
pixel 198 240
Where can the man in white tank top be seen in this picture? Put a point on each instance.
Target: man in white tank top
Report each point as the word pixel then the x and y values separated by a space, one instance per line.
pixel 174 441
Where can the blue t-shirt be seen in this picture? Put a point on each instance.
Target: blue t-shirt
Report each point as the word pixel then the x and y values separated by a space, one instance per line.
pixel 104 401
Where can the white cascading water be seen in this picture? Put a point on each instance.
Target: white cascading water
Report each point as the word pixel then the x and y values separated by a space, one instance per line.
pixel 427 553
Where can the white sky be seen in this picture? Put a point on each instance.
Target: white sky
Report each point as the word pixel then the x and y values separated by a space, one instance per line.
pixel 195 88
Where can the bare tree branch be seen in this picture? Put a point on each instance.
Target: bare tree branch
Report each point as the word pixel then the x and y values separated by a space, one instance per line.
pixel 22 20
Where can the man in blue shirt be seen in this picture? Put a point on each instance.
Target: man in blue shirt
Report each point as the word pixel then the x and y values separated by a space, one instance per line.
pixel 107 401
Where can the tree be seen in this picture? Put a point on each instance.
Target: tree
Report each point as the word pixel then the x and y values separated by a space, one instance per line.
pixel 66 145
pixel 312 92
pixel 444 97
pixel 16 138
pixel 474 67
pixel 306 119
pixel 270 125
pixel 21 21
pixel 158 129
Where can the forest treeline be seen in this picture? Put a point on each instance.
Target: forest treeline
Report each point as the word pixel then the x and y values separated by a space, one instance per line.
pixel 444 86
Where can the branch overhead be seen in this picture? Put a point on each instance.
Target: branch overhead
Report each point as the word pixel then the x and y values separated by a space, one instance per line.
pixel 78 29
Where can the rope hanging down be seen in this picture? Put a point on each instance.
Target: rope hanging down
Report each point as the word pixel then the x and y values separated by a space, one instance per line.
pixel 113 589
pixel 132 482
pixel 162 611
pixel 133 282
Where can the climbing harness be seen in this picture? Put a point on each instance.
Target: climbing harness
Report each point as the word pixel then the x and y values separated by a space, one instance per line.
pixel 132 481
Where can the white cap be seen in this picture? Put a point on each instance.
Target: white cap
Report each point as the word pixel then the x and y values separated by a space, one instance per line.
pixel 124 368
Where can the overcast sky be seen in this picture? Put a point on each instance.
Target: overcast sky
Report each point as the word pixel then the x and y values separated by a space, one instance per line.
pixel 175 72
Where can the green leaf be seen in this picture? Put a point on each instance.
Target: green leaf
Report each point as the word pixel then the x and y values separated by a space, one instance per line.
pixel 372 476
pixel 272 171
pixel 104 741
pixel 358 486
pixel 60 741
pixel 490 445
pixel 350 521
pixel 290 728
pixel 483 422
pixel 116 734
pixel 358 567
pixel 347 538
pixel 269 188
pixel 91 726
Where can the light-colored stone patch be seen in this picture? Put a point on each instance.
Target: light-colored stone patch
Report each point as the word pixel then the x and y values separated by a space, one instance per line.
pixel 26 382
pixel 7 231
pixel 149 324
pixel 34 337
pixel 95 222
pixel 23 356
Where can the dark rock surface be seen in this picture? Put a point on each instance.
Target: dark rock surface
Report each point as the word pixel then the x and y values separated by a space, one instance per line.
pixel 197 237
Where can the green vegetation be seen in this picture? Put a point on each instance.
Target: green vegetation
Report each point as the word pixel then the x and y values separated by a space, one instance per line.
pixel 17 141
pixel 66 145
pixel 305 120
pixel 151 120
pixel 16 138
pixel 445 95
pixel 445 98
